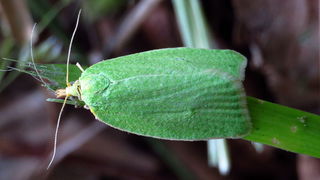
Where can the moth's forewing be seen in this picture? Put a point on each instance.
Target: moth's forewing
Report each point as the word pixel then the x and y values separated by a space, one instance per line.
pixel 169 97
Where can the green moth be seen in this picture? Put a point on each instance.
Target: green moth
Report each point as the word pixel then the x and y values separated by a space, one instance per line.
pixel 175 93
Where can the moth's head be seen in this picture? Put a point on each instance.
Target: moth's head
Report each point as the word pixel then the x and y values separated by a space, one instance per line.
pixel 71 90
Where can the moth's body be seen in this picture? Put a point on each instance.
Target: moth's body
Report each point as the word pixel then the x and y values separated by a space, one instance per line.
pixel 180 93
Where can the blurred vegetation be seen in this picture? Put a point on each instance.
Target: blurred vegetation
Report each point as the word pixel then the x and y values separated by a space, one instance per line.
pixel 283 68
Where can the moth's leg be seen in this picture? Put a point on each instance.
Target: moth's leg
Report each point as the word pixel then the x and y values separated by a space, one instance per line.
pixel 79 93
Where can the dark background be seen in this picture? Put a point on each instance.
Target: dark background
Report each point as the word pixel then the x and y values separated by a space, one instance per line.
pixel 279 38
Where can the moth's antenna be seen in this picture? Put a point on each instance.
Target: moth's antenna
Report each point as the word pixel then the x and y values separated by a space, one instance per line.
pixel 70 45
pixel 65 99
pixel 56 133
pixel 32 58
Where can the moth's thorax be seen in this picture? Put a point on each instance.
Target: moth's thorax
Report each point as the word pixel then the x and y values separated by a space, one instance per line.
pixel 74 90
pixel 92 86
pixel 70 90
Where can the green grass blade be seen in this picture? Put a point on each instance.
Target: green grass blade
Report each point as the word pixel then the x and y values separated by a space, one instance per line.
pixel 55 74
pixel 283 127
pixel 74 102
pixel 199 26
pixel 184 21
pixel 5 49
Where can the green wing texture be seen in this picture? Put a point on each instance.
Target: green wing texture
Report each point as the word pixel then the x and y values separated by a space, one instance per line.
pixel 177 93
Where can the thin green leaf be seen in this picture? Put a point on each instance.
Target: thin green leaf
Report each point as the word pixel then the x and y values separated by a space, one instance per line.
pixel 5 50
pixel 283 127
pixel 54 73
pixel 184 22
pixel 76 103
